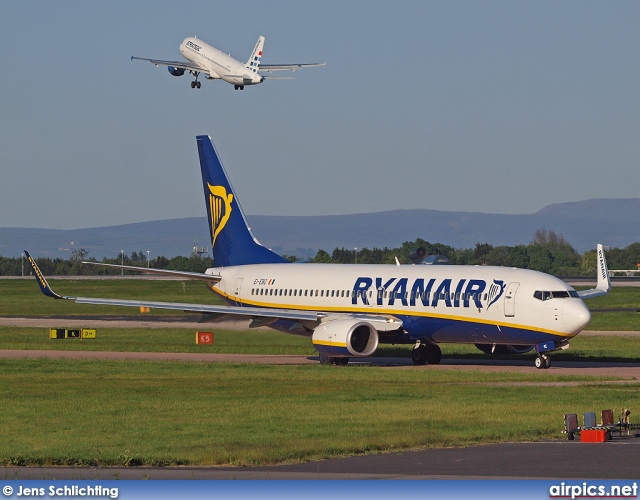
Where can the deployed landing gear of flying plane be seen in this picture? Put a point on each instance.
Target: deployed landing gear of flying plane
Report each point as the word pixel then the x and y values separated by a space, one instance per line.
pixel 195 83
pixel 426 353
pixel 236 87
pixel 543 362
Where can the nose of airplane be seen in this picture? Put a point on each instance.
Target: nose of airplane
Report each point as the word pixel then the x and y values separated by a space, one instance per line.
pixel 575 316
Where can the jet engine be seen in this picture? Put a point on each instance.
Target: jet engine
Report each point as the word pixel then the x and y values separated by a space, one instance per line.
pixel 418 255
pixel 504 349
pixel 176 71
pixel 345 338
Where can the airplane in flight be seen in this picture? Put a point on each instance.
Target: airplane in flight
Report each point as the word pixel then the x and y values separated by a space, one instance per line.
pixel 215 64
pixel 348 310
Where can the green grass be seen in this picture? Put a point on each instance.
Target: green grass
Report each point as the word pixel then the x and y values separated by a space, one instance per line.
pixel 98 412
pixel 615 321
pixel 160 340
pixel 583 348
pixel 168 413
pixel 22 297
pixel 618 297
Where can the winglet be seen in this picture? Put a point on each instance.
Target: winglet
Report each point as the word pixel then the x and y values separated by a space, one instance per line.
pixel 604 283
pixel 44 286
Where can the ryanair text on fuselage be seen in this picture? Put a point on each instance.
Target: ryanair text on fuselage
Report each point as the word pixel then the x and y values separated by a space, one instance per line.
pixel 426 292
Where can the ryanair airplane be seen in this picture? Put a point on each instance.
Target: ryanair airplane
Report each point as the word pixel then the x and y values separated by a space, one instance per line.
pixel 348 310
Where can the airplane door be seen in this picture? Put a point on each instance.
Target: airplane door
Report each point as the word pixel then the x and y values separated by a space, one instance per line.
pixel 237 291
pixel 510 299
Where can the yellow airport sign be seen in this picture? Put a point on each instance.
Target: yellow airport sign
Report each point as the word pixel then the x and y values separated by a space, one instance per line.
pixel 72 333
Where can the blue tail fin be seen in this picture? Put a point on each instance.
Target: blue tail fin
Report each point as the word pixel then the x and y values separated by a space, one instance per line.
pixel 231 238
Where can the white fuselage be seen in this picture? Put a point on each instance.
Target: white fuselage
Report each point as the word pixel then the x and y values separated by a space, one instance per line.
pixel 218 64
pixel 468 304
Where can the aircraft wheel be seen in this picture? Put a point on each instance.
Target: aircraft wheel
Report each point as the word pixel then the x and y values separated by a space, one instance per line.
pixel 541 362
pixel 326 360
pixel 235 87
pixel 547 361
pixel 341 361
pixel 434 354
pixel 419 355
pixel 193 85
pixel 198 84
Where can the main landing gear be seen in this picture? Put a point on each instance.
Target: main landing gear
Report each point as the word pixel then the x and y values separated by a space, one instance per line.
pixel 195 84
pixel 426 353
pixel 238 87
pixel 329 360
pixel 542 362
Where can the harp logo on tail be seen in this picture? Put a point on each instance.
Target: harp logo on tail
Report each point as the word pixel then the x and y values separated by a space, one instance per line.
pixel 219 208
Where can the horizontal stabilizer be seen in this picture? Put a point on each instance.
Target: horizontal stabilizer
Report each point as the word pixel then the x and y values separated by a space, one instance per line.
pixel 288 67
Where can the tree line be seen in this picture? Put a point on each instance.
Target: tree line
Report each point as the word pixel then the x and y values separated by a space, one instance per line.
pixel 16 266
pixel 548 252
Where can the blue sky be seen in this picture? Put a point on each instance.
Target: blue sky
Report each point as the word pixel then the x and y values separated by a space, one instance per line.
pixel 500 107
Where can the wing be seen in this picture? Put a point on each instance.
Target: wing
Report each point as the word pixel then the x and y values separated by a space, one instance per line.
pixel 252 312
pixel 285 67
pixel 604 283
pixel 192 66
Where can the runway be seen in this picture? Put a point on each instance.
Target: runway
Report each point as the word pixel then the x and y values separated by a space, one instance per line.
pixel 561 460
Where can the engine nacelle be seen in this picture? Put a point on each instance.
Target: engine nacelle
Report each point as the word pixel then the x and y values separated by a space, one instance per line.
pixel 345 338
pixel 418 255
pixel 504 349
pixel 176 71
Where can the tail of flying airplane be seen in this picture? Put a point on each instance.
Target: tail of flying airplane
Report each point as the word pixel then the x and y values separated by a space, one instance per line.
pixel 254 61
pixel 231 238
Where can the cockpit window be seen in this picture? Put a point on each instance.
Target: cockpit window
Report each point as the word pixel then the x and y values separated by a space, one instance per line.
pixel 560 294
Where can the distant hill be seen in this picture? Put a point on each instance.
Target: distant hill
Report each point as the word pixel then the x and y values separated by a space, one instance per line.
pixel 614 222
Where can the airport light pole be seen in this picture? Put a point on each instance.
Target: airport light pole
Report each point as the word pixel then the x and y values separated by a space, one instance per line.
pixel 148 251
pixel 356 252
pixel 22 259
pixel 122 253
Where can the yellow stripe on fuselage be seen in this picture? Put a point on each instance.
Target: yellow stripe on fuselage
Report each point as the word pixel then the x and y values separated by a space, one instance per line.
pixel 376 310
